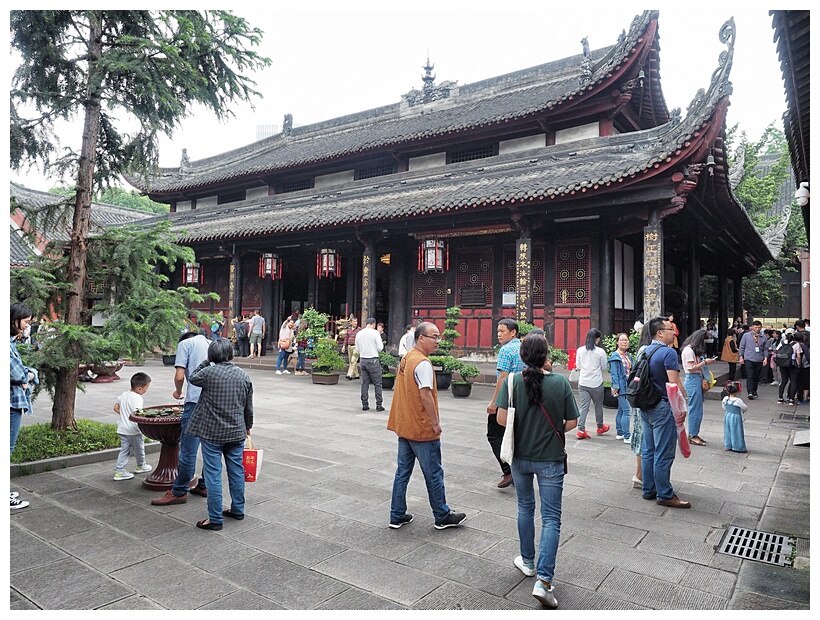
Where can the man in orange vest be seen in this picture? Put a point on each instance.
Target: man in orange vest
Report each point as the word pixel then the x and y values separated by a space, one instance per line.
pixel 414 417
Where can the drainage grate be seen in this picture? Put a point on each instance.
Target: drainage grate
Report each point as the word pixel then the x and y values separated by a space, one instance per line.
pixel 759 546
pixel 794 416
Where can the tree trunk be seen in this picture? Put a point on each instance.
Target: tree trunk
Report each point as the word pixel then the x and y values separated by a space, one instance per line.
pixel 62 413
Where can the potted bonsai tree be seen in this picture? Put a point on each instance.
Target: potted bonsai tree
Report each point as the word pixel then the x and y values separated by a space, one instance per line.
pixel 388 361
pixel 443 361
pixel 462 388
pixel 328 362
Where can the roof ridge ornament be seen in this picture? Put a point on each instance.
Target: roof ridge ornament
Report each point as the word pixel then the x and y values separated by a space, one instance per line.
pixel 737 168
pixel 287 125
pixel 430 92
pixel 184 162
pixel 586 63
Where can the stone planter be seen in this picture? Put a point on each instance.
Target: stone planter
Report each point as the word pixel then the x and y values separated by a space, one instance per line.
pixel 167 430
pixel 461 389
pixel 169 360
pixel 106 373
pixel 323 379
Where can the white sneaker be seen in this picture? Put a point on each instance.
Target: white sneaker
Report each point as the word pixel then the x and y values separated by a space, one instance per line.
pixel 14 495
pixel 123 475
pixel 619 436
pixel 143 469
pixel 627 439
pixel 18 503
pixel 544 593
pixel 278 372
pixel 285 372
pixel 528 568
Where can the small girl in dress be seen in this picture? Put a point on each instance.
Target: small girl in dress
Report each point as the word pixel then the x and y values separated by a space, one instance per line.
pixel 733 439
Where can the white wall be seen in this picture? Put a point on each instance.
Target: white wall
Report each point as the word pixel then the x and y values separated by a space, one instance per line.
pixel 256 192
pixel 425 162
pixel 522 144
pixel 210 201
pixel 571 134
pixel 183 205
pixel 337 178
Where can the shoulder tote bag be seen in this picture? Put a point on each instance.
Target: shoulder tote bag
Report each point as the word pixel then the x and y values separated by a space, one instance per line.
pixel 507 444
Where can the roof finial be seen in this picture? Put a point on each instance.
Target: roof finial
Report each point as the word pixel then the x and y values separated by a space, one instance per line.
pixel 428 78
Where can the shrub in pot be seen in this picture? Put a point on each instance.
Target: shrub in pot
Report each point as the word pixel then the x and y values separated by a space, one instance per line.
pixel 463 387
pixel 328 362
pixel 388 361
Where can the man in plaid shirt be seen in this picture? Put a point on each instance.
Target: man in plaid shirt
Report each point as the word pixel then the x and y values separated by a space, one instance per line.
pixel 222 420
pixel 509 361
pixel 349 345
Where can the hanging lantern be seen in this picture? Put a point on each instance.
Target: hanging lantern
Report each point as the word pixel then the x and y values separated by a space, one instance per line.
pixel 328 263
pixel 434 255
pixel 270 265
pixel 193 273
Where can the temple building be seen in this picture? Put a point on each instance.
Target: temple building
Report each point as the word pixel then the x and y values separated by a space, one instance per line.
pixel 564 194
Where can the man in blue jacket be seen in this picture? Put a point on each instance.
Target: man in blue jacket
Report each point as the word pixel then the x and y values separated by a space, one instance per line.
pixel 752 352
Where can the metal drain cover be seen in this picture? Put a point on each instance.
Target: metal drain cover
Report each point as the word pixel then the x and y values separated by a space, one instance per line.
pixel 800 417
pixel 759 546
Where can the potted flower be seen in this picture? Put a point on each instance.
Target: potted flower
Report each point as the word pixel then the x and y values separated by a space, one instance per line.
pixel 388 361
pixel 462 388
pixel 328 362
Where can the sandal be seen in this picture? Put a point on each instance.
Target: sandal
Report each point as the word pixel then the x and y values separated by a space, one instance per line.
pixel 233 515
pixel 205 524
pixel 697 441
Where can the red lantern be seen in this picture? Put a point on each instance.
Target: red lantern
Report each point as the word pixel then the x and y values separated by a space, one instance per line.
pixel 434 255
pixel 270 265
pixel 193 273
pixel 328 263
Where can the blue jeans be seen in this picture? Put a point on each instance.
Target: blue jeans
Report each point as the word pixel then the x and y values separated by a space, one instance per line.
pixel 623 417
pixel 550 476
pixel 282 360
pixel 16 421
pixel 300 358
pixel 658 450
pixel 188 446
pixel 694 393
pixel 212 468
pixel 428 454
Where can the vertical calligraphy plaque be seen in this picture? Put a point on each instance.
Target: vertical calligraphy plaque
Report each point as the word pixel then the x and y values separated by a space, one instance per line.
pixel 653 271
pixel 523 280
pixel 368 283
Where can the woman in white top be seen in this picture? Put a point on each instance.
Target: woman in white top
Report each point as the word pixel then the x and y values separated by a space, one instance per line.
pixel 591 362
pixel 693 358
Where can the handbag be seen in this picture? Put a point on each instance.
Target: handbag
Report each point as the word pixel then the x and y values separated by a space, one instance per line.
pixel 252 461
pixel 284 343
pixel 508 442
pixel 560 438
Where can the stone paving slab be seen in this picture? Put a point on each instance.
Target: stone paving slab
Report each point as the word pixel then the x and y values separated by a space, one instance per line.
pixel 316 536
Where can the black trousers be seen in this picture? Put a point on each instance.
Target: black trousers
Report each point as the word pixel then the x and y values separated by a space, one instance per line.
pixel 752 375
pixel 495 435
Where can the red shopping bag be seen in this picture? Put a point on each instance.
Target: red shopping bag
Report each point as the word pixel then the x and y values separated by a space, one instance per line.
pixel 252 461
pixel 679 409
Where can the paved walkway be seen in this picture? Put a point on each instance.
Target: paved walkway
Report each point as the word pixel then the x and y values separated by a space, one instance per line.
pixel 316 534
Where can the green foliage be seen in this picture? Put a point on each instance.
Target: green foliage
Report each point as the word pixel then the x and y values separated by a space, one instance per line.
pixel 449 335
pixel 316 322
pixel 119 197
pixel 763 288
pixel 446 363
pixel 610 343
pixel 387 361
pixel 141 313
pixel 468 371
pixel 524 328
pixel 328 358
pixel 40 441
pixel 559 356
pixel 149 65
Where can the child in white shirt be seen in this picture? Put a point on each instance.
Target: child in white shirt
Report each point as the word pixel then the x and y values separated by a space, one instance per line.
pixel 129 432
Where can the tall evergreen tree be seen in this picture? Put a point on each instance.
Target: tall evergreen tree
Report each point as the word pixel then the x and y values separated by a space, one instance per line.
pixel 94 65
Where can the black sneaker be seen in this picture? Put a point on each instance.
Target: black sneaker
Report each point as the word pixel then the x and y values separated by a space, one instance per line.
pixel 365 407
pixel 407 518
pixel 454 519
pixel 379 408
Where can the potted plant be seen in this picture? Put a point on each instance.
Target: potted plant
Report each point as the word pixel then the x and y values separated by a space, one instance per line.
pixel 328 362
pixel 388 361
pixel 444 367
pixel 462 388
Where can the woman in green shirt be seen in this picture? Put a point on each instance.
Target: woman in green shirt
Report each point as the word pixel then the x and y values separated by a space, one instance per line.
pixel 545 411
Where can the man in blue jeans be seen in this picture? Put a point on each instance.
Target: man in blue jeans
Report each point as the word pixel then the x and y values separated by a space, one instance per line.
pixel 659 430
pixel 192 350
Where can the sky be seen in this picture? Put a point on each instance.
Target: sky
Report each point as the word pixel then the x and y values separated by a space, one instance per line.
pixel 328 62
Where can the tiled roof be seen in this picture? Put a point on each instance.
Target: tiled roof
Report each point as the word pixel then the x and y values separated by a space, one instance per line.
pixel 496 100
pixel 102 215
pixel 19 252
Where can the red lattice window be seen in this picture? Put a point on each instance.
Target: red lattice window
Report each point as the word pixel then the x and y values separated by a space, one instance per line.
pixel 430 290
pixel 537 273
pixel 572 275
pixel 474 271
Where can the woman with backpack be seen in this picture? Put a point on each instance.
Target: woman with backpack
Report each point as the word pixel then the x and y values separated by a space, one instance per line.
pixel 786 358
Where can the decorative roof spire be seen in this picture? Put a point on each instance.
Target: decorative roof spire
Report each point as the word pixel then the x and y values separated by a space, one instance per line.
pixel 428 78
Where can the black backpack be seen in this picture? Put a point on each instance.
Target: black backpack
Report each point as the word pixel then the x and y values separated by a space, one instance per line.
pixel 241 329
pixel 640 391
pixel 783 355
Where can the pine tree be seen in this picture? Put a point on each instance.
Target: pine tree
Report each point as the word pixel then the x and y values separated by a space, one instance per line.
pixel 95 65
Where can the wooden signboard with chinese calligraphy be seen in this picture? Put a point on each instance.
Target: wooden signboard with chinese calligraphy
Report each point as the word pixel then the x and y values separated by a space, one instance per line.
pixel 653 271
pixel 523 280
pixel 473 296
